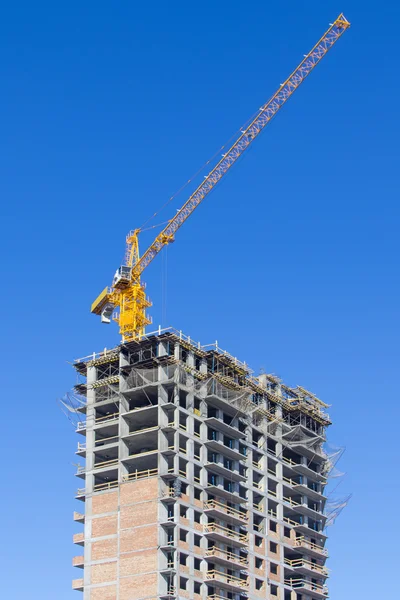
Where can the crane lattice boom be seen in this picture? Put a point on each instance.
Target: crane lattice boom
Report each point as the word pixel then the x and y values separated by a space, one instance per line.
pixel 127 292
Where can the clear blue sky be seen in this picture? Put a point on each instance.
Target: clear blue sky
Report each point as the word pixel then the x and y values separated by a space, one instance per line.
pixel 292 264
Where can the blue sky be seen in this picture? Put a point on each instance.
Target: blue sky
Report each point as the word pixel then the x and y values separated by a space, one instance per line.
pixel 292 263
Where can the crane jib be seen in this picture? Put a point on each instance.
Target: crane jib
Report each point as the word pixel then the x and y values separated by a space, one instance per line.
pixel 267 112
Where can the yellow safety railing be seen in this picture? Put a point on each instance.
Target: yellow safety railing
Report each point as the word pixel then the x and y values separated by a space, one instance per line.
pixel 301 562
pixel 101 441
pixel 307 585
pixel 111 417
pixel 140 474
pixel 303 543
pixel 146 430
pixel 106 463
pixel 291 501
pixel 215 528
pixel 226 509
pixel 291 522
pixel 108 485
pixel 290 481
pixel 214 551
pixel 218 575
pixel 290 462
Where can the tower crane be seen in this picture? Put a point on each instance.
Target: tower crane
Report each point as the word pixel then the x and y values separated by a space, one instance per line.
pixel 127 296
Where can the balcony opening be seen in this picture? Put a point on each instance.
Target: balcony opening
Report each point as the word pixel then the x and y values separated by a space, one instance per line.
pixel 182 399
pixel 212 457
pixel 286 532
pixel 227 419
pixel 183 467
pixel 196 451
pixel 273 547
pixel 257 438
pixel 183 444
pixel 196 473
pixel 228 464
pixel 242 449
pixel 106 413
pixel 212 434
pixel 196 426
pixel 183 582
pixel 182 421
pixel 229 442
pixel 143 399
pixel 212 479
pixel 170 537
pixel 170 560
pixel 212 412
pixel 228 486
pixel 183 535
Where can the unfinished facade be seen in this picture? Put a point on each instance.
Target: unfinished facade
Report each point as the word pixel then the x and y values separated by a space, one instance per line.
pixel 200 480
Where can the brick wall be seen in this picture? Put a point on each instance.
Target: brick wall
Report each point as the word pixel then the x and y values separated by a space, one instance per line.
pixel 138 539
pixel 125 558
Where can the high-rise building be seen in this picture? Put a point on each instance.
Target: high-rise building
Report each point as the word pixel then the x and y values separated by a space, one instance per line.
pixel 201 480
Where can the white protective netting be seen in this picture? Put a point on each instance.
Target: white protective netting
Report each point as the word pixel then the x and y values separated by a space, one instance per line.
pixel 333 455
pixel 291 435
pixel 70 404
pixel 333 508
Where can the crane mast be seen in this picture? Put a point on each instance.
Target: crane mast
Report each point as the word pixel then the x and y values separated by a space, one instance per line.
pixel 127 291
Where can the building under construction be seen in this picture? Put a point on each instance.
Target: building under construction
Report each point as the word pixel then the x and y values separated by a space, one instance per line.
pixel 201 480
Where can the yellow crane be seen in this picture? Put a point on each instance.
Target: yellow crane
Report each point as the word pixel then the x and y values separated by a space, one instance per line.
pixel 126 296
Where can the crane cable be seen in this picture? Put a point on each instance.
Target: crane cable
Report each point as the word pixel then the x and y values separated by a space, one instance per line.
pixel 244 126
